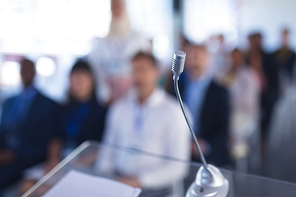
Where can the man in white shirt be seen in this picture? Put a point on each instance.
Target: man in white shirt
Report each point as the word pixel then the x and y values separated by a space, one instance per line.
pixel 150 120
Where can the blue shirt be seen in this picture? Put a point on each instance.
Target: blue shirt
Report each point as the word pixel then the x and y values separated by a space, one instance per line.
pixel 194 97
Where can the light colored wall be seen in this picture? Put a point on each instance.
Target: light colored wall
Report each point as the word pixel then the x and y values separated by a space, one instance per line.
pixel 268 16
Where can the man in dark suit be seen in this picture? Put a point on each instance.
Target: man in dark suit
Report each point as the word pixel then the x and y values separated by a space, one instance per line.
pixel 271 89
pixel 208 103
pixel 27 125
pixel 285 56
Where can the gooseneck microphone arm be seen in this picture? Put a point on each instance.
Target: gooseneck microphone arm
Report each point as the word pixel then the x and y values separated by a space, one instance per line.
pixel 209 180
pixel 177 68
pixel 189 125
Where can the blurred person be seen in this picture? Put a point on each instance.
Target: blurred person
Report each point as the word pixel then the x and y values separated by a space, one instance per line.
pixel 255 63
pixel 244 86
pixel 256 41
pixel 221 58
pixel 150 120
pixel 111 55
pixel 280 144
pixel 281 141
pixel 251 40
pixel 269 73
pixel 208 103
pixel 82 118
pixel 27 125
pixel 286 57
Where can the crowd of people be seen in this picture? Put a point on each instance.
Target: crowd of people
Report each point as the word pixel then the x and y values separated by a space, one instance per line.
pixel 115 97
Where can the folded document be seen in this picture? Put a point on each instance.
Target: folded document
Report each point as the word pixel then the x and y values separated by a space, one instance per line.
pixel 78 184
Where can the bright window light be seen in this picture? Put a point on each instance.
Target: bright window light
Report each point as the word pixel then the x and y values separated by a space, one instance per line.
pixel 45 66
pixel 10 74
pixel 161 45
pixel 154 19
pixel 88 18
pixel 78 20
pixel 204 18
pixel 49 20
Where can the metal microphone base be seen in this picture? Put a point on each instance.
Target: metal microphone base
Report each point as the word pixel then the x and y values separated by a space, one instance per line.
pixel 209 182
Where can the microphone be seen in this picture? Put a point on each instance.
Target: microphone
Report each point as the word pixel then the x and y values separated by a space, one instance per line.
pixel 178 63
pixel 209 180
pixel 177 68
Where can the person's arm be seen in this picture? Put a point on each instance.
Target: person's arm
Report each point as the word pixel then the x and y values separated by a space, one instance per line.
pixel 5 110
pixel 56 144
pixel 54 153
pixel 94 58
pixel 204 146
pixel 7 157
pixel 35 146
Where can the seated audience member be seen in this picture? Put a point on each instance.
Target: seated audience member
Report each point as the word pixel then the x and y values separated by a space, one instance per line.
pixel 147 119
pixel 286 57
pixel 27 125
pixel 208 103
pixel 82 118
pixel 244 88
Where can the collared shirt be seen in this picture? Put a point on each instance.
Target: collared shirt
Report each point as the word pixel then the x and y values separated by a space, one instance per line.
pixel 156 126
pixel 194 97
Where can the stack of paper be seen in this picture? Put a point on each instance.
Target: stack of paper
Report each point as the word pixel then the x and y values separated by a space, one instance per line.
pixel 78 184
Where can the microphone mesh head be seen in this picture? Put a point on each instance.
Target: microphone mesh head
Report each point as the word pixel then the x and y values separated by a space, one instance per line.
pixel 174 66
pixel 178 63
pixel 180 55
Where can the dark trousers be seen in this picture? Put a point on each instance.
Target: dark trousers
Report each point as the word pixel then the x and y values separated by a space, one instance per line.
pixel 268 102
pixel 9 175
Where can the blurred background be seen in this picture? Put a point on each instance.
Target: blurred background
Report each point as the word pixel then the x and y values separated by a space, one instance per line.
pixel 54 33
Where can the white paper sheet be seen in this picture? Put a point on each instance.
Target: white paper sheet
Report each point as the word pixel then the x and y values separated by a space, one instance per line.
pixel 78 184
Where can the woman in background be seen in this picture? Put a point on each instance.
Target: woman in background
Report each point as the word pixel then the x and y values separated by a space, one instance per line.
pixel 81 119
pixel 244 85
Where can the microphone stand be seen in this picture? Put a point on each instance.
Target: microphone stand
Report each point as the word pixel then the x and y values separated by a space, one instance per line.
pixel 205 165
pixel 209 181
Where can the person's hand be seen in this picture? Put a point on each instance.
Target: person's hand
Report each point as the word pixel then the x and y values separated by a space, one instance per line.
pixel 131 181
pixel 7 157
pixel 89 159
pixel 203 146
pixel 50 164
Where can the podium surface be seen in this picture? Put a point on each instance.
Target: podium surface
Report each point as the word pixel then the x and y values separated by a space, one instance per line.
pixel 87 157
